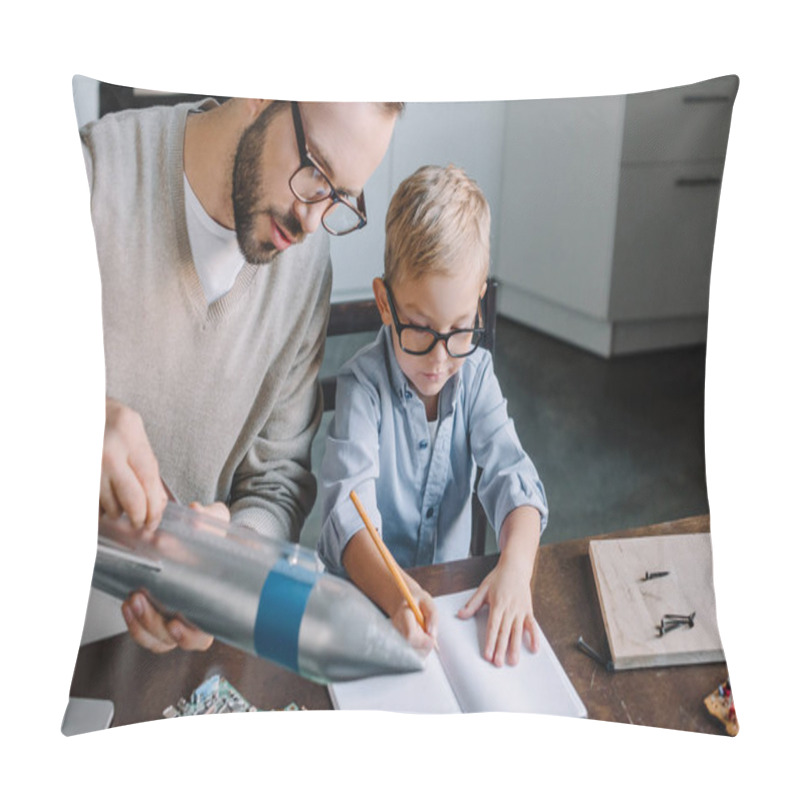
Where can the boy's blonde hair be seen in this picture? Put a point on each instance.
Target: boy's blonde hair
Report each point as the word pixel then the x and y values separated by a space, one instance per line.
pixel 436 216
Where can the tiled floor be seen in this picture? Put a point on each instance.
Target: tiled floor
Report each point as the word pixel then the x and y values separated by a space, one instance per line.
pixel 617 443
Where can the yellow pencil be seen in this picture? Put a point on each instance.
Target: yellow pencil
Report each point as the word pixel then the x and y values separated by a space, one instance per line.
pixel 389 559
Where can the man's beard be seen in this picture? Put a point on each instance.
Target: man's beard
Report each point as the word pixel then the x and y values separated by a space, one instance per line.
pixel 247 206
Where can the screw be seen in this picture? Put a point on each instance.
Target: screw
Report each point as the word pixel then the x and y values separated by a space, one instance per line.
pixel 648 576
pixel 671 621
pixel 592 653
pixel 666 627
pixel 682 618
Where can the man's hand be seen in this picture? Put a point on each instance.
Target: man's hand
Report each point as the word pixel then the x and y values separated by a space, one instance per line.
pixel 155 632
pixel 129 476
pixel 160 634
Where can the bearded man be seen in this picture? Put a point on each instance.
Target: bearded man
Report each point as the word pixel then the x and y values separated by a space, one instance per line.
pixel 216 292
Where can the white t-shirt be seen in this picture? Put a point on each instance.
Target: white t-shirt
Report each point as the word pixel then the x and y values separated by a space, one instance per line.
pixel 215 251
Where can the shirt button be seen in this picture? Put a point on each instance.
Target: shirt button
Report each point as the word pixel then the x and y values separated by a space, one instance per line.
pixel 430 512
pixel 423 444
pixel 408 395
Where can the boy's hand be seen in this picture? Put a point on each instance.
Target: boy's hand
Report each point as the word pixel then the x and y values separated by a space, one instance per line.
pixel 404 620
pixel 368 571
pixel 507 590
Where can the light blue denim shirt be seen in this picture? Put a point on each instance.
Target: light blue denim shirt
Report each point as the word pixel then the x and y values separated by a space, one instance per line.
pixel 379 444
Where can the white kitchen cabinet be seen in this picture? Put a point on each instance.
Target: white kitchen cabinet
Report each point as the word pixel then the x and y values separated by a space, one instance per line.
pixel 468 134
pixel 608 211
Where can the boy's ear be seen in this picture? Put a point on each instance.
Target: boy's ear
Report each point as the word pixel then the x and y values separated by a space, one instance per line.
pixel 379 290
pixel 483 291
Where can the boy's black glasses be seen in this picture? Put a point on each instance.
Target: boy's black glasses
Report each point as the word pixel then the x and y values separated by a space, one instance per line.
pixel 417 340
pixel 310 184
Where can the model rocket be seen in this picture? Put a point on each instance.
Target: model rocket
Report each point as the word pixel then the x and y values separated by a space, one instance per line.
pixel 260 595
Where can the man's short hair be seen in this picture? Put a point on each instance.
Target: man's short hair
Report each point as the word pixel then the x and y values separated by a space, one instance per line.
pixel 393 108
pixel 438 223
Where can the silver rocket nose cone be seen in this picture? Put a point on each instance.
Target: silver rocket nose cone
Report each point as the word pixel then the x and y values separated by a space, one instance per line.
pixel 344 636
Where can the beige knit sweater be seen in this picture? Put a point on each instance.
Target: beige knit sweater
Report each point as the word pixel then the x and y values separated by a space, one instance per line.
pixel 228 392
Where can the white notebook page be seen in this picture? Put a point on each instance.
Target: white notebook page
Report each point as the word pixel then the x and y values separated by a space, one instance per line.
pixel 460 679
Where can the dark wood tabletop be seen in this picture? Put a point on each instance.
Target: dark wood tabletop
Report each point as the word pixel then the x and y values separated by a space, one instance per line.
pixel 566 606
pixel 142 684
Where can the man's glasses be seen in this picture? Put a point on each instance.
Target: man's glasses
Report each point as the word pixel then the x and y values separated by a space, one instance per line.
pixel 310 184
pixel 417 340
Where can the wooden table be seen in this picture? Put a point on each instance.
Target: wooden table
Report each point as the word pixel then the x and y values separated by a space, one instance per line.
pixel 566 606
pixel 142 684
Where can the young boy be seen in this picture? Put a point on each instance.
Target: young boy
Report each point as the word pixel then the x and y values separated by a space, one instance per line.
pixel 418 411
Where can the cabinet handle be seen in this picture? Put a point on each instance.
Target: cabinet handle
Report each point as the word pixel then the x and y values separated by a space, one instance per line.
pixel 707 98
pixel 709 181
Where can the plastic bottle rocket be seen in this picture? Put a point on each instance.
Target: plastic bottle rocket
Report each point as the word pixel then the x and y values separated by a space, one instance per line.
pixel 260 595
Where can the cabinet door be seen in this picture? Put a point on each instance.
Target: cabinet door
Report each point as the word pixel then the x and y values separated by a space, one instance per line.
pixel 559 199
pixel 685 123
pixel 469 135
pixel 665 238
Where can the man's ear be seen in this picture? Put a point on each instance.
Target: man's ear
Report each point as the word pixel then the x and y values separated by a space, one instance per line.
pixel 483 291
pixel 379 290
pixel 255 106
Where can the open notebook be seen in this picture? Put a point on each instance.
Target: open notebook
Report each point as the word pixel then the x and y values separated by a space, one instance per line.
pixel 458 679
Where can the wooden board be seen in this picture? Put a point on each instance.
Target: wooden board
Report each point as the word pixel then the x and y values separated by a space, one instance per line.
pixel 633 608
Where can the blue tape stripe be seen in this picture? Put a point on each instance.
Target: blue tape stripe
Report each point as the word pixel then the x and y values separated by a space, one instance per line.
pixel 280 610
